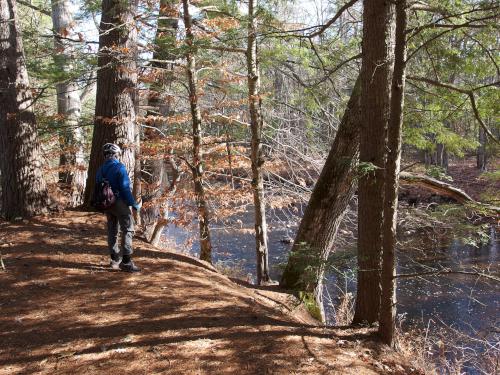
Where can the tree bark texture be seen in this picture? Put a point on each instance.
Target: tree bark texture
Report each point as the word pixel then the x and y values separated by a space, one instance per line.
pixel 256 126
pixel 197 163
pixel 376 73
pixel 115 115
pixel 73 171
pixel 24 191
pixel 392 168
pixel 326 208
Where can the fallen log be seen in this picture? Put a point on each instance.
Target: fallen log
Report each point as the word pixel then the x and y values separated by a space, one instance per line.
pixel 441 188
pixel 437 186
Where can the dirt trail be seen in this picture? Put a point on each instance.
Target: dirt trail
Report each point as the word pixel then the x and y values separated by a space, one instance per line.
pixel 62 311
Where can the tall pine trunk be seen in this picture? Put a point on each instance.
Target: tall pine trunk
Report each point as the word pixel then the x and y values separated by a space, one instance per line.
pixel 376 73
pixel 115 115
pixel 197 163
pixel 392 168
pixel 326 208
pixel 256 125
pixel 24 191
pixel 72 169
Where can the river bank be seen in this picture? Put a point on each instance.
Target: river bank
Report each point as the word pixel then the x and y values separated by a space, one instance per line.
pixel 63 311
pixel 436 237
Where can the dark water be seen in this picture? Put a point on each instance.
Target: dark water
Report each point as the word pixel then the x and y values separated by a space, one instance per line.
pixel 466 303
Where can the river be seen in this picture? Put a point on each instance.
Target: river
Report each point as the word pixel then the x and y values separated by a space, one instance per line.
pixel 465 304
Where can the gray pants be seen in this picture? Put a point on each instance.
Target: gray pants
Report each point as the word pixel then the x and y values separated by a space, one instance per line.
pixel 120 217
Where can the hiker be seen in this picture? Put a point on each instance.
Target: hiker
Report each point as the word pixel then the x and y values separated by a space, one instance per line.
pixel 119 214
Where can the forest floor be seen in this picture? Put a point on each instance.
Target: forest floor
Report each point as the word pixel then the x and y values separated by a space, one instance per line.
pixel 63 310
pixel 470 179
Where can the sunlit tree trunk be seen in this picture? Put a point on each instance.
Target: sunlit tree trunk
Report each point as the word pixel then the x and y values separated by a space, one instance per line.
pixel 115 115
pixel 376 73
pixel 24 191
pixel 197 163
pixel 326 208
pixel 256 125
pixel 392 168
pixel 72 164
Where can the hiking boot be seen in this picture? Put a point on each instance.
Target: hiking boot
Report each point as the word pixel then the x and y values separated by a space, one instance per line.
pixel 129 267
pixel 115 264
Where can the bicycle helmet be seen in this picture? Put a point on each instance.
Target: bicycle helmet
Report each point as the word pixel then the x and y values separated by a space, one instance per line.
pixel 110 149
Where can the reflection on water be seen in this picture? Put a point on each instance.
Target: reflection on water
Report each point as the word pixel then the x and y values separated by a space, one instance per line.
pixel 467 303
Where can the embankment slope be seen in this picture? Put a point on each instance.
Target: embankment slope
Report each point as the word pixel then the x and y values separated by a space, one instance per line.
pixel 62 311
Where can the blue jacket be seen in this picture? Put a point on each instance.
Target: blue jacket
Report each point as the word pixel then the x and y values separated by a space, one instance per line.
pixel 116 173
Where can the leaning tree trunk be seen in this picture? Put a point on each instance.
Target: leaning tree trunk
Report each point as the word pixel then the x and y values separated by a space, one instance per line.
pixel 71 163
pixel 376 71
pixel 325 210
pixel 197 166
pixel 392 168
pixel 24 192
pixel 256 125
pixel 116 83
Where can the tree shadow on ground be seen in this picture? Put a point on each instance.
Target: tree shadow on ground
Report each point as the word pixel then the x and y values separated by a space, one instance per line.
pixel 63 311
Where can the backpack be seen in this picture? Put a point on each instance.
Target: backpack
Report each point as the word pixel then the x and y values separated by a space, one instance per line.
pixel 103 198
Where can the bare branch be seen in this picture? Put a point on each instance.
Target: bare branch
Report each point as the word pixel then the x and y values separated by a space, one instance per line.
pixel 228 120
pixel 479 119
pixel 332 20
pixel 439 84
pixel 447 271
pixel 470 23
pixel 34 7
pixel 224 49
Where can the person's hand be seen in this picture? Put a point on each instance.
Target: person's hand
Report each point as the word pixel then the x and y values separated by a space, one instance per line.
pixel 137 207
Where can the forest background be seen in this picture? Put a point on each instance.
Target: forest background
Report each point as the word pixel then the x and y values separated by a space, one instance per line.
pixel 222 106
